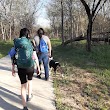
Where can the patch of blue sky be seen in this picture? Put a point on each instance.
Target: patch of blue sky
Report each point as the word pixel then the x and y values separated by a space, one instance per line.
pixel 42 18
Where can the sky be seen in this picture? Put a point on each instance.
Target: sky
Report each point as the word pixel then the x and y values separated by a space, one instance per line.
pixel 42 18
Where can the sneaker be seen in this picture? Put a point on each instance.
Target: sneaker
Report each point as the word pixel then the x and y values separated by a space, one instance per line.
pixel 29 99
pixel 38 76
pixel 25 108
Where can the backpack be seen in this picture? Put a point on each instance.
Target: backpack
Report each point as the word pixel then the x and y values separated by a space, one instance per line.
pixel 12 52
pixel 24 50
pixel 43 47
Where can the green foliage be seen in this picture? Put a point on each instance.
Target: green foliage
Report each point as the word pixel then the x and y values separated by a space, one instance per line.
pixel 96 62
pixel 4 48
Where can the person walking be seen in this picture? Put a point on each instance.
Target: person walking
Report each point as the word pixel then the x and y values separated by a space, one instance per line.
pixel 25 64
pixel 43 49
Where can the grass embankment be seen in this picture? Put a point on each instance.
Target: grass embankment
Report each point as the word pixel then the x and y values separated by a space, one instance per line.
pixel 4 48
pixel 86 85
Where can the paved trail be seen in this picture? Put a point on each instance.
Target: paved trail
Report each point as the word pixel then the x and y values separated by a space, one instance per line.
pixel 10 90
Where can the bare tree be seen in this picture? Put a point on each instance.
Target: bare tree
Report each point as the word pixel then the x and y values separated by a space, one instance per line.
pixel 74 21
pixel 92 13
pixel 16 14
pixel 69 20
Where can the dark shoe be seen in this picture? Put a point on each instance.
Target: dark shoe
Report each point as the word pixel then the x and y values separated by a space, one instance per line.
pixel 38 76
pixel 29 99
pixel 46 79
pixel 25 108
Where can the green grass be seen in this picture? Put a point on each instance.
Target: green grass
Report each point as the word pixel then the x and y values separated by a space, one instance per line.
pixel 97 61
pixel 4 48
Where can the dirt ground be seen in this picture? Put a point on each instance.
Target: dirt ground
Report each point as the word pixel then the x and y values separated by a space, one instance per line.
pixel 82 90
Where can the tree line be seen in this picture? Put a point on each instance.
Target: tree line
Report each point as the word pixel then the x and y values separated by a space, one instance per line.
pixel 16 14
pixel 73 18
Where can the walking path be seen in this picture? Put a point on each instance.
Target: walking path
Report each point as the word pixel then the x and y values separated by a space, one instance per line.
pixel 43 96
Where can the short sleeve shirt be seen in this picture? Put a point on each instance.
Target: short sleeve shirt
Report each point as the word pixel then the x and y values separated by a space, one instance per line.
pixel 45 38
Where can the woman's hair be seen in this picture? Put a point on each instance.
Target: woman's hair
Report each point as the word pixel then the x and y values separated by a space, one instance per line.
pixel 40 29
pixel 24 32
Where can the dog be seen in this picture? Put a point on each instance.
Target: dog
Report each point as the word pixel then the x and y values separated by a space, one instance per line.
pixel 55 65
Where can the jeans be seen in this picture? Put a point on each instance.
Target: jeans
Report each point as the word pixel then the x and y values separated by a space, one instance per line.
pixel 43 57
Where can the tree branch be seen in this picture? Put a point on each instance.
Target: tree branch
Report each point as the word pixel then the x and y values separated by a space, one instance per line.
pixel 86 7
pixel 93 12
pixel 37 9
pixel 93 5
pixel 99 10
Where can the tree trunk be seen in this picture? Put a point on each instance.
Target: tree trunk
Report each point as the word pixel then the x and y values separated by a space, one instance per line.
pixel 3 33
pixel 71 29
pixel 57 33
pixel 89 34
pixel 62 21
pixel 10 32
pixel 13 29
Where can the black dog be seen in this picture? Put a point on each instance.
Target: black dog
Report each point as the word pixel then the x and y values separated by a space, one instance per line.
pixel 55 65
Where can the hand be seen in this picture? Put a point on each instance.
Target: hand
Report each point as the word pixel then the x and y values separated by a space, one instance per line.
pixel 38 71
pixel 49 55
pixel 13 73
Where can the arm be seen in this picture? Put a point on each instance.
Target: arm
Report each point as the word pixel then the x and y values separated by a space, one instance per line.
pixel 13 65
pixel 50 47
pixel 13 70
pixel 37 65
pixel 35 58
pixel 34 43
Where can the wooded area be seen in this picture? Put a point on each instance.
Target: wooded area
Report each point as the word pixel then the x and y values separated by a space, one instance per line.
pixel 68 18
pixel 74 18
pixel 16 14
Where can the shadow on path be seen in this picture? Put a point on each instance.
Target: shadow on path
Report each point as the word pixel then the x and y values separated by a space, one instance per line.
pixel 12 97
pixel 5 68
pixel 7 106
pixel 8 91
